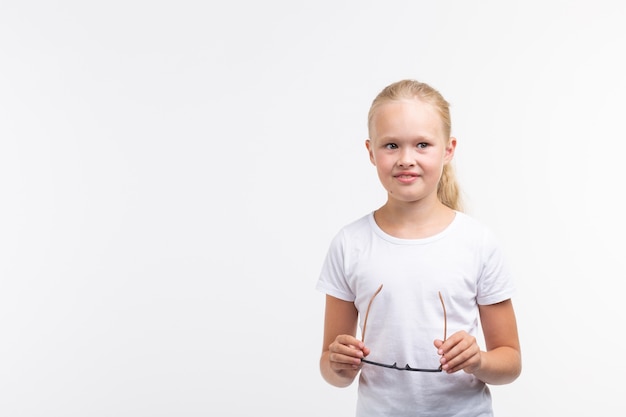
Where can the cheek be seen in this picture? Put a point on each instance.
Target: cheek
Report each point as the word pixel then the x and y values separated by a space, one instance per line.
pixel 436 161
pixel 382 163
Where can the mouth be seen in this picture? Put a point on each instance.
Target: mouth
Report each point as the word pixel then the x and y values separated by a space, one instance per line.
pixel 406 177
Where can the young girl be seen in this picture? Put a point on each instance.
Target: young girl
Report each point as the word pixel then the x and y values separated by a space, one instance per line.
pixel 418 275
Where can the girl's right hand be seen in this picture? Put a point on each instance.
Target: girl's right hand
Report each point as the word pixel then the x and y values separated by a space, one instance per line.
pixel 346 352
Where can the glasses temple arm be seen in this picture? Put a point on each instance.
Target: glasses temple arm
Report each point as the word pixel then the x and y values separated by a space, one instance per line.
pixel 445 318
pixel 367 312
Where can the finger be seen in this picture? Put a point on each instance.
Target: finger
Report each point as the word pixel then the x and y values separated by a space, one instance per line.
pixel 342 353
pixel 348 340
pixel 348 360
pixel 347 349
pixel 462 356
pixel 338 366
pixel 455 343
pixel 469 365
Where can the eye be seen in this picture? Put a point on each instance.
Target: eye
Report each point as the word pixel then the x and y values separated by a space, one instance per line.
pixel 391 146
pixel 423 145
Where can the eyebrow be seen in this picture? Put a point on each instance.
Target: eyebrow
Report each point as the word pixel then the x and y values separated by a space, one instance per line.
pixel 418 138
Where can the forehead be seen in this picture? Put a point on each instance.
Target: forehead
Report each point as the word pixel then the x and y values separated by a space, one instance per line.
pixel 399 118
pixel 412 108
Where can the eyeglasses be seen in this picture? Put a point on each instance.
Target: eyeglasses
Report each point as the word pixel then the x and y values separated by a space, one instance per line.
pixel 395 366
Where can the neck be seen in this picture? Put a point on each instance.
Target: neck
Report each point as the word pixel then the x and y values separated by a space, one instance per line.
pixel 413 220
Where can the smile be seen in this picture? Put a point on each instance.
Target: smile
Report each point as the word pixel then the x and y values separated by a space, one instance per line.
pixel 406 178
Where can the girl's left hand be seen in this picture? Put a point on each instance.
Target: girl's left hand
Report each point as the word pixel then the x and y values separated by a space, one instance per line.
pixel 459 351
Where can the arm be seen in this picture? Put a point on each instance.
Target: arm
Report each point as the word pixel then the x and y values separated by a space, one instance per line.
pixel 342 351
pixel 502 362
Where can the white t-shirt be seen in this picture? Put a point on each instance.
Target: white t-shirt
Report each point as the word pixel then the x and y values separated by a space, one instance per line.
pixel 464 263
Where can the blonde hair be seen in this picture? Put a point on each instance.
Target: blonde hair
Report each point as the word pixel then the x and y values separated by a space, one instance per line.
pixel 448 190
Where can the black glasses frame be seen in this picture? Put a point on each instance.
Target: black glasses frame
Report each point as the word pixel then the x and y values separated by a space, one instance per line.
pixel 395 366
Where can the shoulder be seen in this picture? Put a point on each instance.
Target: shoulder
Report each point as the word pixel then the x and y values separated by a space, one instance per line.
pixel 357 228
pixel 353 235
pixel 467 221
pixel 471 231
pixel 467 224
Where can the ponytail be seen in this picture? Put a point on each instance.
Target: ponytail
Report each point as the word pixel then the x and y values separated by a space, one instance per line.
pixel 448 189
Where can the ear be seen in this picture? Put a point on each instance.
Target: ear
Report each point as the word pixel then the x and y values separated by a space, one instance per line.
pixel 450 148
pixel 368 145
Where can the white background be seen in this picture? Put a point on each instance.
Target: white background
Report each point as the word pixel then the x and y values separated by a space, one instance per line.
pixel 171 174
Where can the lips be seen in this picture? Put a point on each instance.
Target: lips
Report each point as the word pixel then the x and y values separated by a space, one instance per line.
pixel 406 177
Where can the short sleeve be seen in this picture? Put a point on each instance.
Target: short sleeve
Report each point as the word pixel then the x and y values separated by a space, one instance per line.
pixel 332 279
pixel 495 283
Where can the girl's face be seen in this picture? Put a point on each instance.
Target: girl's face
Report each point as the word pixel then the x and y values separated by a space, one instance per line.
pixel 409 149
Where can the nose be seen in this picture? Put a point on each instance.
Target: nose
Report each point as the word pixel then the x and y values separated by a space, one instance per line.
pixel 406 159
